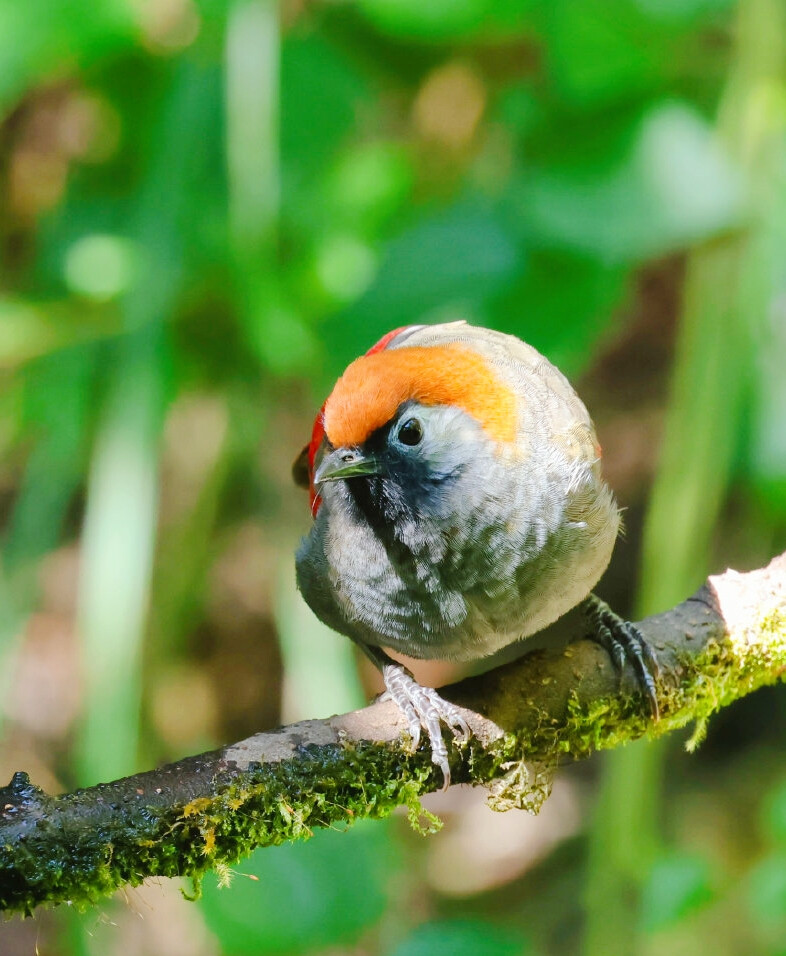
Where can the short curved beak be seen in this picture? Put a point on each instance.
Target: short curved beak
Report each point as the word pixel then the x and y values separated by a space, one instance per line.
pixel 345 463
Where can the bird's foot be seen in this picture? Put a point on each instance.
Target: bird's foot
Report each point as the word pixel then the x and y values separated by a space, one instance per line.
pixel 425 710
pixel 625 644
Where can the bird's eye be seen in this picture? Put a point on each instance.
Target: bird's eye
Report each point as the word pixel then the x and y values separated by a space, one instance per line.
pixel 410 432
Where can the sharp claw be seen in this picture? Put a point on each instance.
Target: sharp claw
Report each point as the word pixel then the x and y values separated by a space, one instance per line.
pixel 652 661
pixel 461 730
pixel 414 732
pixel 424 708
pixel 413 722
pixel 646 665
pixel 625 643
pixel 444 766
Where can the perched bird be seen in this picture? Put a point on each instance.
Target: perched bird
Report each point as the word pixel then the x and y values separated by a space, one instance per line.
pixel 458 507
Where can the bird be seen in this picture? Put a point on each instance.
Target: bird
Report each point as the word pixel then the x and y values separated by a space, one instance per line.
pixel 458 507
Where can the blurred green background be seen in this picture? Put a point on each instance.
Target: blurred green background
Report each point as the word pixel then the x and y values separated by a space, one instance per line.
pixel 207 209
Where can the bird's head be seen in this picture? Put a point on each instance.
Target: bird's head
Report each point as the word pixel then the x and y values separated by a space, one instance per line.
pixel 406 423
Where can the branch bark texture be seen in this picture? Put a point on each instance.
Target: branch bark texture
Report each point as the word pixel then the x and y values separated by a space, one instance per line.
pixel 209 810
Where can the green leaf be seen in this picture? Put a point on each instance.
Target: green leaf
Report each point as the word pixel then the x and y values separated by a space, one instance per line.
pixel 445 19
pixel 767 892
pixel 601 51
pixel 58 390
pixel 320 93
pixel 683 12
pixel 39 38
pixel 461 938
pixel 562 304
pixel 453 261
pixel 774 814
pixel 673 186
pixel 678 886
pixel 304 896
pixel 369 183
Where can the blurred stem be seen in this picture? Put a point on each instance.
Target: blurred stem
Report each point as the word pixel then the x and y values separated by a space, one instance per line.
pixel 252 93
pixel 117 555
pixel 253 53
pixel 320 670
pixel 183 561
pixel 727 292
pixel 121 512
pixel 252 64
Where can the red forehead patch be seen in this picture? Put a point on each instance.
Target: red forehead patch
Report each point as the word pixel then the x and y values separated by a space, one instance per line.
pixel 318 431
pixel 372 388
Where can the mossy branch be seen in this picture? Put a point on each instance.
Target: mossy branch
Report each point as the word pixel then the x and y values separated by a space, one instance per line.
pixel 209 810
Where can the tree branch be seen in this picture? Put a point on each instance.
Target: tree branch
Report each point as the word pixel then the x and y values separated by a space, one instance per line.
pixel 207 811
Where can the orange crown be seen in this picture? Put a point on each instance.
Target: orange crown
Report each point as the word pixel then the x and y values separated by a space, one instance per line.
pixel 372 388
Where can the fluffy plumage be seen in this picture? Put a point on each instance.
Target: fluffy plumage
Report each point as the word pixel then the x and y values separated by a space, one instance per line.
pixel 478 525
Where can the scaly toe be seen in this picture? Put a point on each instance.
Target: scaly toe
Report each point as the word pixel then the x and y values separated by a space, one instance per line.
pixel 625 644
pixel 424 708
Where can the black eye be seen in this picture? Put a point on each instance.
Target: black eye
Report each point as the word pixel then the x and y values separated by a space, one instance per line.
pixel 410 432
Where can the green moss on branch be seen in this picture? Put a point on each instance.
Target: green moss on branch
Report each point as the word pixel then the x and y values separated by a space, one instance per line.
pixel 210 810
